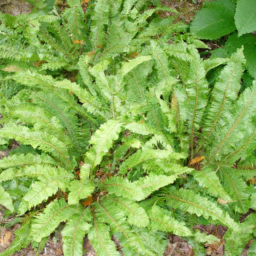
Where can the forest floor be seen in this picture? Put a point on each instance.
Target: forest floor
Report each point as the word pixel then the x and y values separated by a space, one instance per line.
pixel 176 245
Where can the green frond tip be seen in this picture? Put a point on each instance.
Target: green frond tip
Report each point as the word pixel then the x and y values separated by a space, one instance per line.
pixel 136 214
pixel 5 199
pixel 73 234
pixel 41 140
pixel 79 190
pixel 207 178
pixel 129 66
pixel 160 219
pixel 142 156
pixel 102 141
pixel 204 238
pixel 122 187
pixel 153 182
pixel 23 160
pixel 50 180
pixel 189 201
pixel 45 223
pixel 100 239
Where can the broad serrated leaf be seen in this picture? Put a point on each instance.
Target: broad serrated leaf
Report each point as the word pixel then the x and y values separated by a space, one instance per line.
pixel 245 17
pixel 215 20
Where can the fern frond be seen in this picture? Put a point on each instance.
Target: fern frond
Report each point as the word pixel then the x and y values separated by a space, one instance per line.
pixel 234 129
pixel 79 190
pixel 6 199
pixel 235 242
pixel 74 232
pixel 161 60
pixel 141 156
pixel 102 141
pixel 106 213
pixel 193 203
pixel 208 179
pixel 101 241
pixel 99 20
pixel 41 140
pixel 135 213
pixel 141 128
pixel 160 219
pixel 237 189
pixel 129 66
pixel 153 182
pixel 122 187
pixel 223 96
pixel 90 103
pixel 23 160
pixel 49 182
pixel 45 223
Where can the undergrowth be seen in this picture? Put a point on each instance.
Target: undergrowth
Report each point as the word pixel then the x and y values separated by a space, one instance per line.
pixel 122 134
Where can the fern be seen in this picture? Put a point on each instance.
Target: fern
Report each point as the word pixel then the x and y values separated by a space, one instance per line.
pixel 124 137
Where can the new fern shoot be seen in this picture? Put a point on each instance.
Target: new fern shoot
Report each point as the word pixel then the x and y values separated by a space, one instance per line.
pixel 121 133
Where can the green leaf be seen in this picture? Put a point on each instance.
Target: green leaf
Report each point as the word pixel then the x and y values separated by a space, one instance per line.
pixel 248 43
pixel 253 201
pixel 140 156
pixel 245 17
pixel 79 190
pixel 5 199
pixel 215 20
pixel 252 249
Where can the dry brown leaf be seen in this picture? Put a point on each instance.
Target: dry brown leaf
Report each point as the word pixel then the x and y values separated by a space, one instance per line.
pixel 59 251
pixel 196 160
pixel 85 2
pixel 12 69
pixel 5 238
pixel 221 201
pixel 78 41
pixel 88 201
